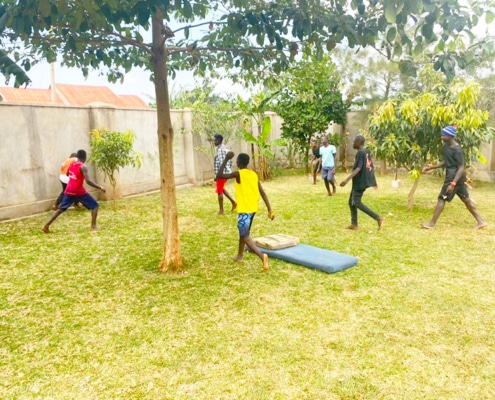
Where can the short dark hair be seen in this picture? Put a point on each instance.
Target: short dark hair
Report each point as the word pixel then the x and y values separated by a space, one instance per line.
pixel 73 155
pixel 218 137
pixel 360 139
pixel 81 154
pixel 243 159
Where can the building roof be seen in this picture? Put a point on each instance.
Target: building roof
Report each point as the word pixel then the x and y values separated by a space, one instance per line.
pixel 28 96
pixel 70 95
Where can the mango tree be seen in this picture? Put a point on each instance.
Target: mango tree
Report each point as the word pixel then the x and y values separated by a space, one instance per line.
pixel 406 130
pixel 247 38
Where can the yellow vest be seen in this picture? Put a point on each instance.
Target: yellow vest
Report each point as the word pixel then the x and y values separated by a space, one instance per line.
pixel 247 193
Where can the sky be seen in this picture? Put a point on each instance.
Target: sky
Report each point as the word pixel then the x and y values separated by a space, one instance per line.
pixel 136 82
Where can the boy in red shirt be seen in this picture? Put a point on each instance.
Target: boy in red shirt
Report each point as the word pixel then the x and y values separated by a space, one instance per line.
pixel 76 192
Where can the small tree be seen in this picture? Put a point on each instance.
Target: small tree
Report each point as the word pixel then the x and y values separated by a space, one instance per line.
pixel 309 101
pixel 264 146
pixel 405 131
pixel 255 109
pixel 111 151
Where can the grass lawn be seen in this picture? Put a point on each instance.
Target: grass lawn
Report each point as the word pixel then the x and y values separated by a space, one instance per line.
pixel 89 316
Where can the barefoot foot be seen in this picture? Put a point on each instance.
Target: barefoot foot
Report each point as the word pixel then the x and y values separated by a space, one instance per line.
pixel 427 226
pixel 353 227
pixel 45 229
pixel 265 262
pixel 481 225
pixel 237 259
pixel 234 206
pixel 380 223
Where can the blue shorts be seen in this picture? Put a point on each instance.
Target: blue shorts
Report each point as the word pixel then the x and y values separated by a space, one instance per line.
pixel 244 222
pixel 327 174
pixel 86 200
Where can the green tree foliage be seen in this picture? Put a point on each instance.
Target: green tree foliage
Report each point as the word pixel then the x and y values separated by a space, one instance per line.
pixel 111 150
pixel 213 115
pixel 248 38
pixel 309 101
pixel 406 130
pixel 367 78
pixel 255 109
pixel 9 67
pixel 264 145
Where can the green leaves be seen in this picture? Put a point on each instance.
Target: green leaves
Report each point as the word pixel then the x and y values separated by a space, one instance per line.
pixel 309 101
pixel 111 151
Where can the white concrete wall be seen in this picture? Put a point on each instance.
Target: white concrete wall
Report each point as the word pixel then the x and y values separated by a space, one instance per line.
pixel 35 140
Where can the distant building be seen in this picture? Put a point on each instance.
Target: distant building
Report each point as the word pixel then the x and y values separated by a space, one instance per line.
pixel 70 95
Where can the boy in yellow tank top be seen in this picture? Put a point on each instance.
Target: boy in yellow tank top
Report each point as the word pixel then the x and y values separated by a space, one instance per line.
pixel 248 191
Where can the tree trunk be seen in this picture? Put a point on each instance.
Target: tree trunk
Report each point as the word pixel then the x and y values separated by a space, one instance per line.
pixel 171 258
pixel 410 200
pixel 344 134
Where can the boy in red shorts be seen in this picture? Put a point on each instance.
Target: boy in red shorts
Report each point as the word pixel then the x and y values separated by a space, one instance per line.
pixel 221 152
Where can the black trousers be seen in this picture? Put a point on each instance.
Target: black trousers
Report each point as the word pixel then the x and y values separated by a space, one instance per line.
pixel 355 203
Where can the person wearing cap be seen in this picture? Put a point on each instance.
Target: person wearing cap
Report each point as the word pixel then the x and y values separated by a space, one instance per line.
pixel 455 178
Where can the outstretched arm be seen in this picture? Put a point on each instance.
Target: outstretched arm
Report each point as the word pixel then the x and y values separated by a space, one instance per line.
pixel 430 167
pixel 84 171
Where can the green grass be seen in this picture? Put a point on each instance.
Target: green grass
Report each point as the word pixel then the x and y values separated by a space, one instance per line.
pixel 89 316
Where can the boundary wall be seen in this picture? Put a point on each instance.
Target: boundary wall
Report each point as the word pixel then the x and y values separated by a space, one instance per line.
pixel 35 140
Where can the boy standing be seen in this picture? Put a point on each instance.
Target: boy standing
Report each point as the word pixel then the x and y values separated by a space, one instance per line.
pixel 248 190
pixel 221 152
pixel 363 177
pixel 455 177
pixel 328 154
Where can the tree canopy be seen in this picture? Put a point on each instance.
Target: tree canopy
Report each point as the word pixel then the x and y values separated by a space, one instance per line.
pixel 309 101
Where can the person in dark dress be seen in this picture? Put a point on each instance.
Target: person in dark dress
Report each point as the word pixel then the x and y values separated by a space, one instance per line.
pixel 455 179
pixel 363 177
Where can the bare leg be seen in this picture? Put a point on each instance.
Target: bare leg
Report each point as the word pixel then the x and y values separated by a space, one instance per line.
pixel 474 212
pixel 327 185
pixel 232 201
pixel 247 241
pixel 334 186
pixel 438 210
pixel 46 227
pixel 94 215
pixel 220 205
pixel 240 251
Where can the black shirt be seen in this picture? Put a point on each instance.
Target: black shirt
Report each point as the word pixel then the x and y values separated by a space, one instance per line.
pixel 453 158
pixel 366 176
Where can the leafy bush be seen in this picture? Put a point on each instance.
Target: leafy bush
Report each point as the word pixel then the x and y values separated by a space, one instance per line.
pixel 112 150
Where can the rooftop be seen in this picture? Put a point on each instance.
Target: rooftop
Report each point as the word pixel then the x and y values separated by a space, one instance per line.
pixel 70 95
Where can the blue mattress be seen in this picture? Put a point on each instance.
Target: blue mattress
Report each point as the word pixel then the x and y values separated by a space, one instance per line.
pixel 313 257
